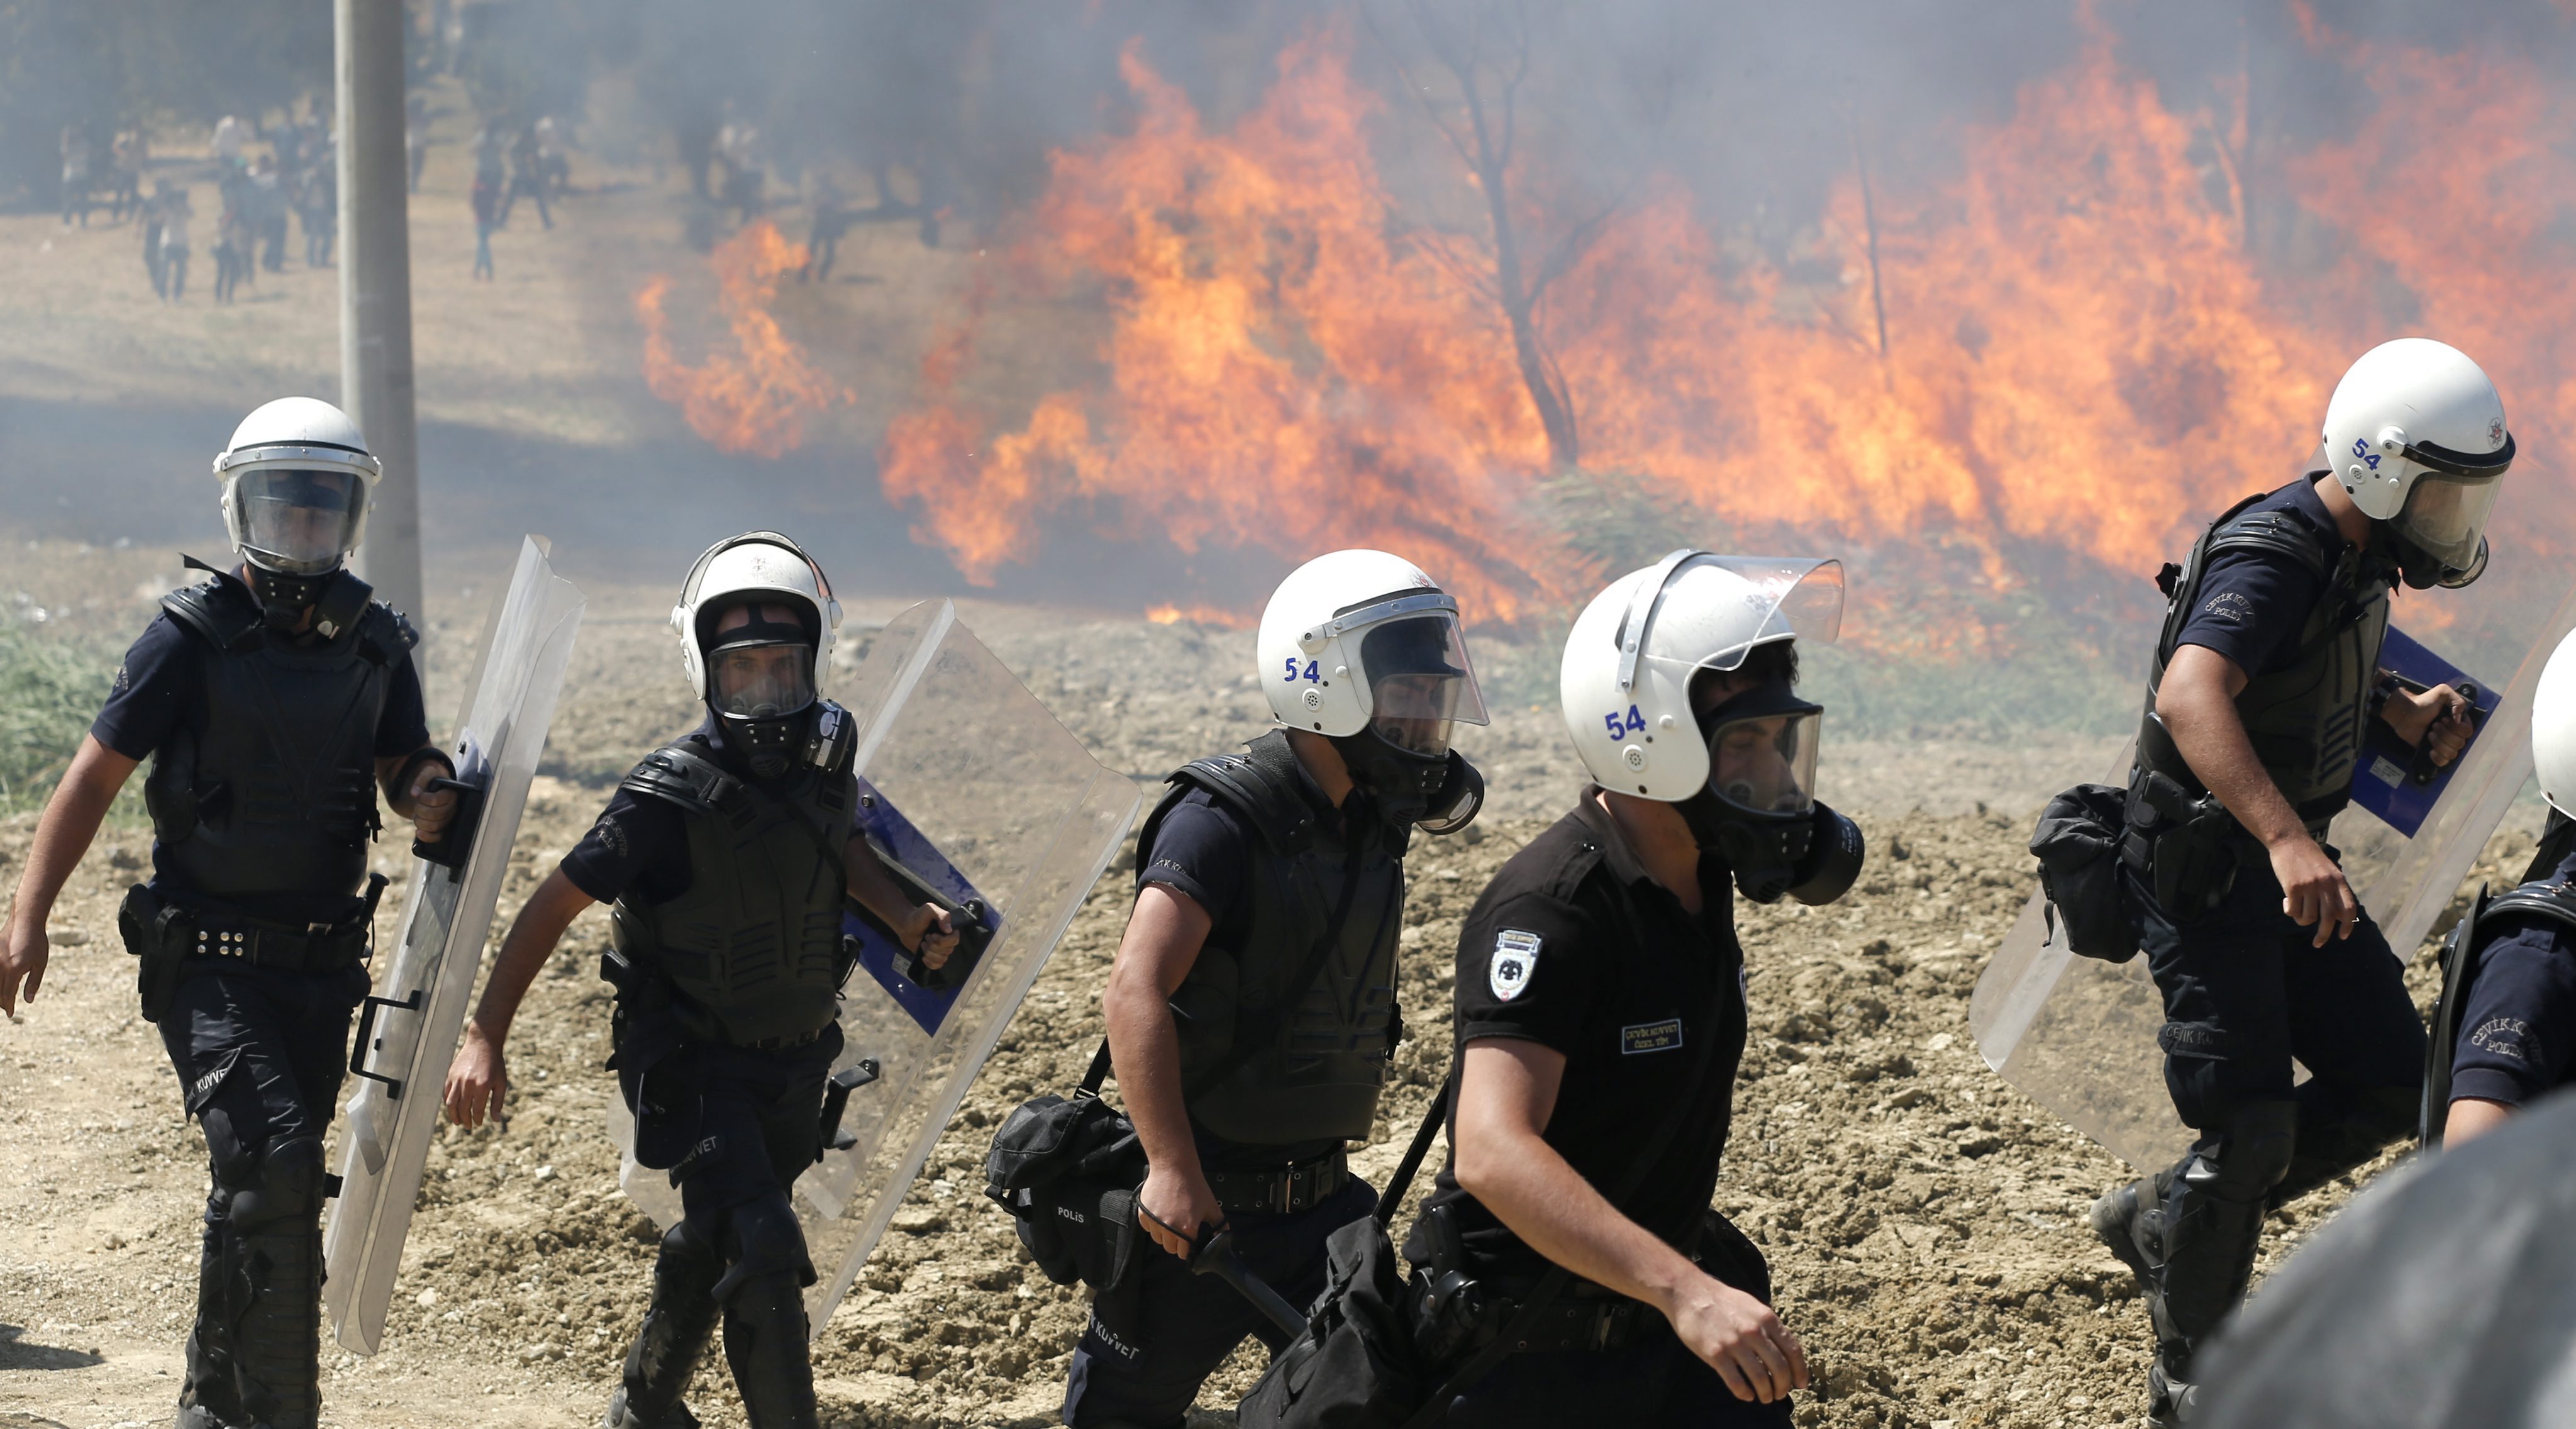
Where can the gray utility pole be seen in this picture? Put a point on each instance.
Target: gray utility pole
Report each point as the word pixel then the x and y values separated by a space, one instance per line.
pixel 375 287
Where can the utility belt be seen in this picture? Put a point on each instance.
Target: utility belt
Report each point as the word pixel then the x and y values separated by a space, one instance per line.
pixel 644 991
pixel 1454 1314
pixel 163 936
pixel 1283 1190
pixel 2188 848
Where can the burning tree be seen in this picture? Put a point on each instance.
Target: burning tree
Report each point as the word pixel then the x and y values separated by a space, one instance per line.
pixel 1482 52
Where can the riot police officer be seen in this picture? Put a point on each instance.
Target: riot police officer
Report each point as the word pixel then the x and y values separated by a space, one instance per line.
pixel 2257 707
pixel 2506 1034
pixel 1251 1006
pixel 1600 1004
pixel 276 700
pixel 727 856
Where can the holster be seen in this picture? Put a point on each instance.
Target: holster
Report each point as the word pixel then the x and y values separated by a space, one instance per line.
pixel 153 935
pixel 2187 849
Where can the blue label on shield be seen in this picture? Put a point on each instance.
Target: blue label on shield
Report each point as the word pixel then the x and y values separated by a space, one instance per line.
pixel 2383 779
pixel 882 821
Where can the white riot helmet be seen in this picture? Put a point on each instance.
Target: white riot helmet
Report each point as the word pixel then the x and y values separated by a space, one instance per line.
pixel 2553 729
pixel 1363 648
pixel 759 674
pixel 297 484
pixel 1744 773
pixel 2415 432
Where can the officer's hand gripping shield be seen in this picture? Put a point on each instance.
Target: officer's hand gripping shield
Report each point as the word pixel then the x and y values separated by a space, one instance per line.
pixel 992 810
pixel 411 1028
pixel 2078 1035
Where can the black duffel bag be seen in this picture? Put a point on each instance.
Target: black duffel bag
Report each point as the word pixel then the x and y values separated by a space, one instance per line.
pixel 1068 1169
pixel 2078 845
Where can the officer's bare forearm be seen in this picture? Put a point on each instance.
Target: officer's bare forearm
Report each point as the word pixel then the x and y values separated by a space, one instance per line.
pixel 2197 702
pixel 1162 943
pixel 1506 1091
pixel 531 939
pixel 69 823
pixel 1145 1047
pixel 874 887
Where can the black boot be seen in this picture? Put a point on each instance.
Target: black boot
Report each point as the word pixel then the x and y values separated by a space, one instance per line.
pixel 256 1354
pixel 764 1337
pixel 208 1395
pixel 675 1332
pixel 2130 1219
pixel 2212 1225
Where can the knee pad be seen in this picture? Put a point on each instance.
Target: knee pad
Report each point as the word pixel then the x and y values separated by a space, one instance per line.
pixel 2253 1153
pixel 285 1182
pixel 763 1239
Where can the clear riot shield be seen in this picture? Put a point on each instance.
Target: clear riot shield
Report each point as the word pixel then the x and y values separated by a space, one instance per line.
pixel 988 807
pixel 407 1032
pixel 2078 1035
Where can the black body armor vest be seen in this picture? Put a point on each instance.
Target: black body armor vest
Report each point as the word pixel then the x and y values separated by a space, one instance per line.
pixel 2549 901
pixel 1285 1039
pixel 753 947
pixel 2306 719
pixel 270 789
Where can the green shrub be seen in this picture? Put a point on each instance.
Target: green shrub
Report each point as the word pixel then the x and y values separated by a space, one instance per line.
pixel 50 689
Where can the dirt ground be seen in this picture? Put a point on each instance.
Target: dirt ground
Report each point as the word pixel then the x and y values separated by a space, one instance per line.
pixel 1925 1222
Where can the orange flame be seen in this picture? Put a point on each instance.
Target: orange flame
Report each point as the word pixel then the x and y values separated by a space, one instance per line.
pixel 2083 355
pixel 757 397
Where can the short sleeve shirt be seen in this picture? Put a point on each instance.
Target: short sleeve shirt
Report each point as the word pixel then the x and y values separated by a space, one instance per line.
pixel 1574 947
pixel 161 686
pixel 2517 1036
pixel 2252 603
pixel 162 680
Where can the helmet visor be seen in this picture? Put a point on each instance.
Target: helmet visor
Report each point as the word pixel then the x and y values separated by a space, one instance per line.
pixel 1766 763
pixel 1419 682
pixel 762 681
pixel 2446 516
pixel 298 521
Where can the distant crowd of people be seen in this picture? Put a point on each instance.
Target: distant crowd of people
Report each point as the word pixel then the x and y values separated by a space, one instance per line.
pixel 512 161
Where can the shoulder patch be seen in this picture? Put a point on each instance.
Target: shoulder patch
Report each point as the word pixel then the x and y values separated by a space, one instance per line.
pixel 1515 958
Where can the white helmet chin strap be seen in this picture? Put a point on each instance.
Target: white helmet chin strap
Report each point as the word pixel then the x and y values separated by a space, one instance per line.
pixel 1642 606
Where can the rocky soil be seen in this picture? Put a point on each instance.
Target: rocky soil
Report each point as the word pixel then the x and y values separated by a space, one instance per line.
pixel 1924 1221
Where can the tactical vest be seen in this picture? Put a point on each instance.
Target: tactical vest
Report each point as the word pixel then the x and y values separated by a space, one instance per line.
pixel 753 947
pixel 2548 901
pixel 270 788
pixel 1286 1038
pixel 2306 719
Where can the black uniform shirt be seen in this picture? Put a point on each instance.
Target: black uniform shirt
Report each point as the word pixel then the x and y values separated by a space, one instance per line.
pixel 1574 947
pixel 1203 850
pixel 2253 603
pixel 162 684
pixel 640 844
pixel 2518 1022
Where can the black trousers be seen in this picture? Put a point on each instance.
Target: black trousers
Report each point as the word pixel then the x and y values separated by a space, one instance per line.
pixel 260 1057
pixel 2244 993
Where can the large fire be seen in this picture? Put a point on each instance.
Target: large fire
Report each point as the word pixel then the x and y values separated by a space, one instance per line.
pixel 2081 354
pixel 757 397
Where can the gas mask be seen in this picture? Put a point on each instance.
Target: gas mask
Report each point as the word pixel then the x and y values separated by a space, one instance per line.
pixel 1419 686
pixel 1759 812
pixel 760 686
